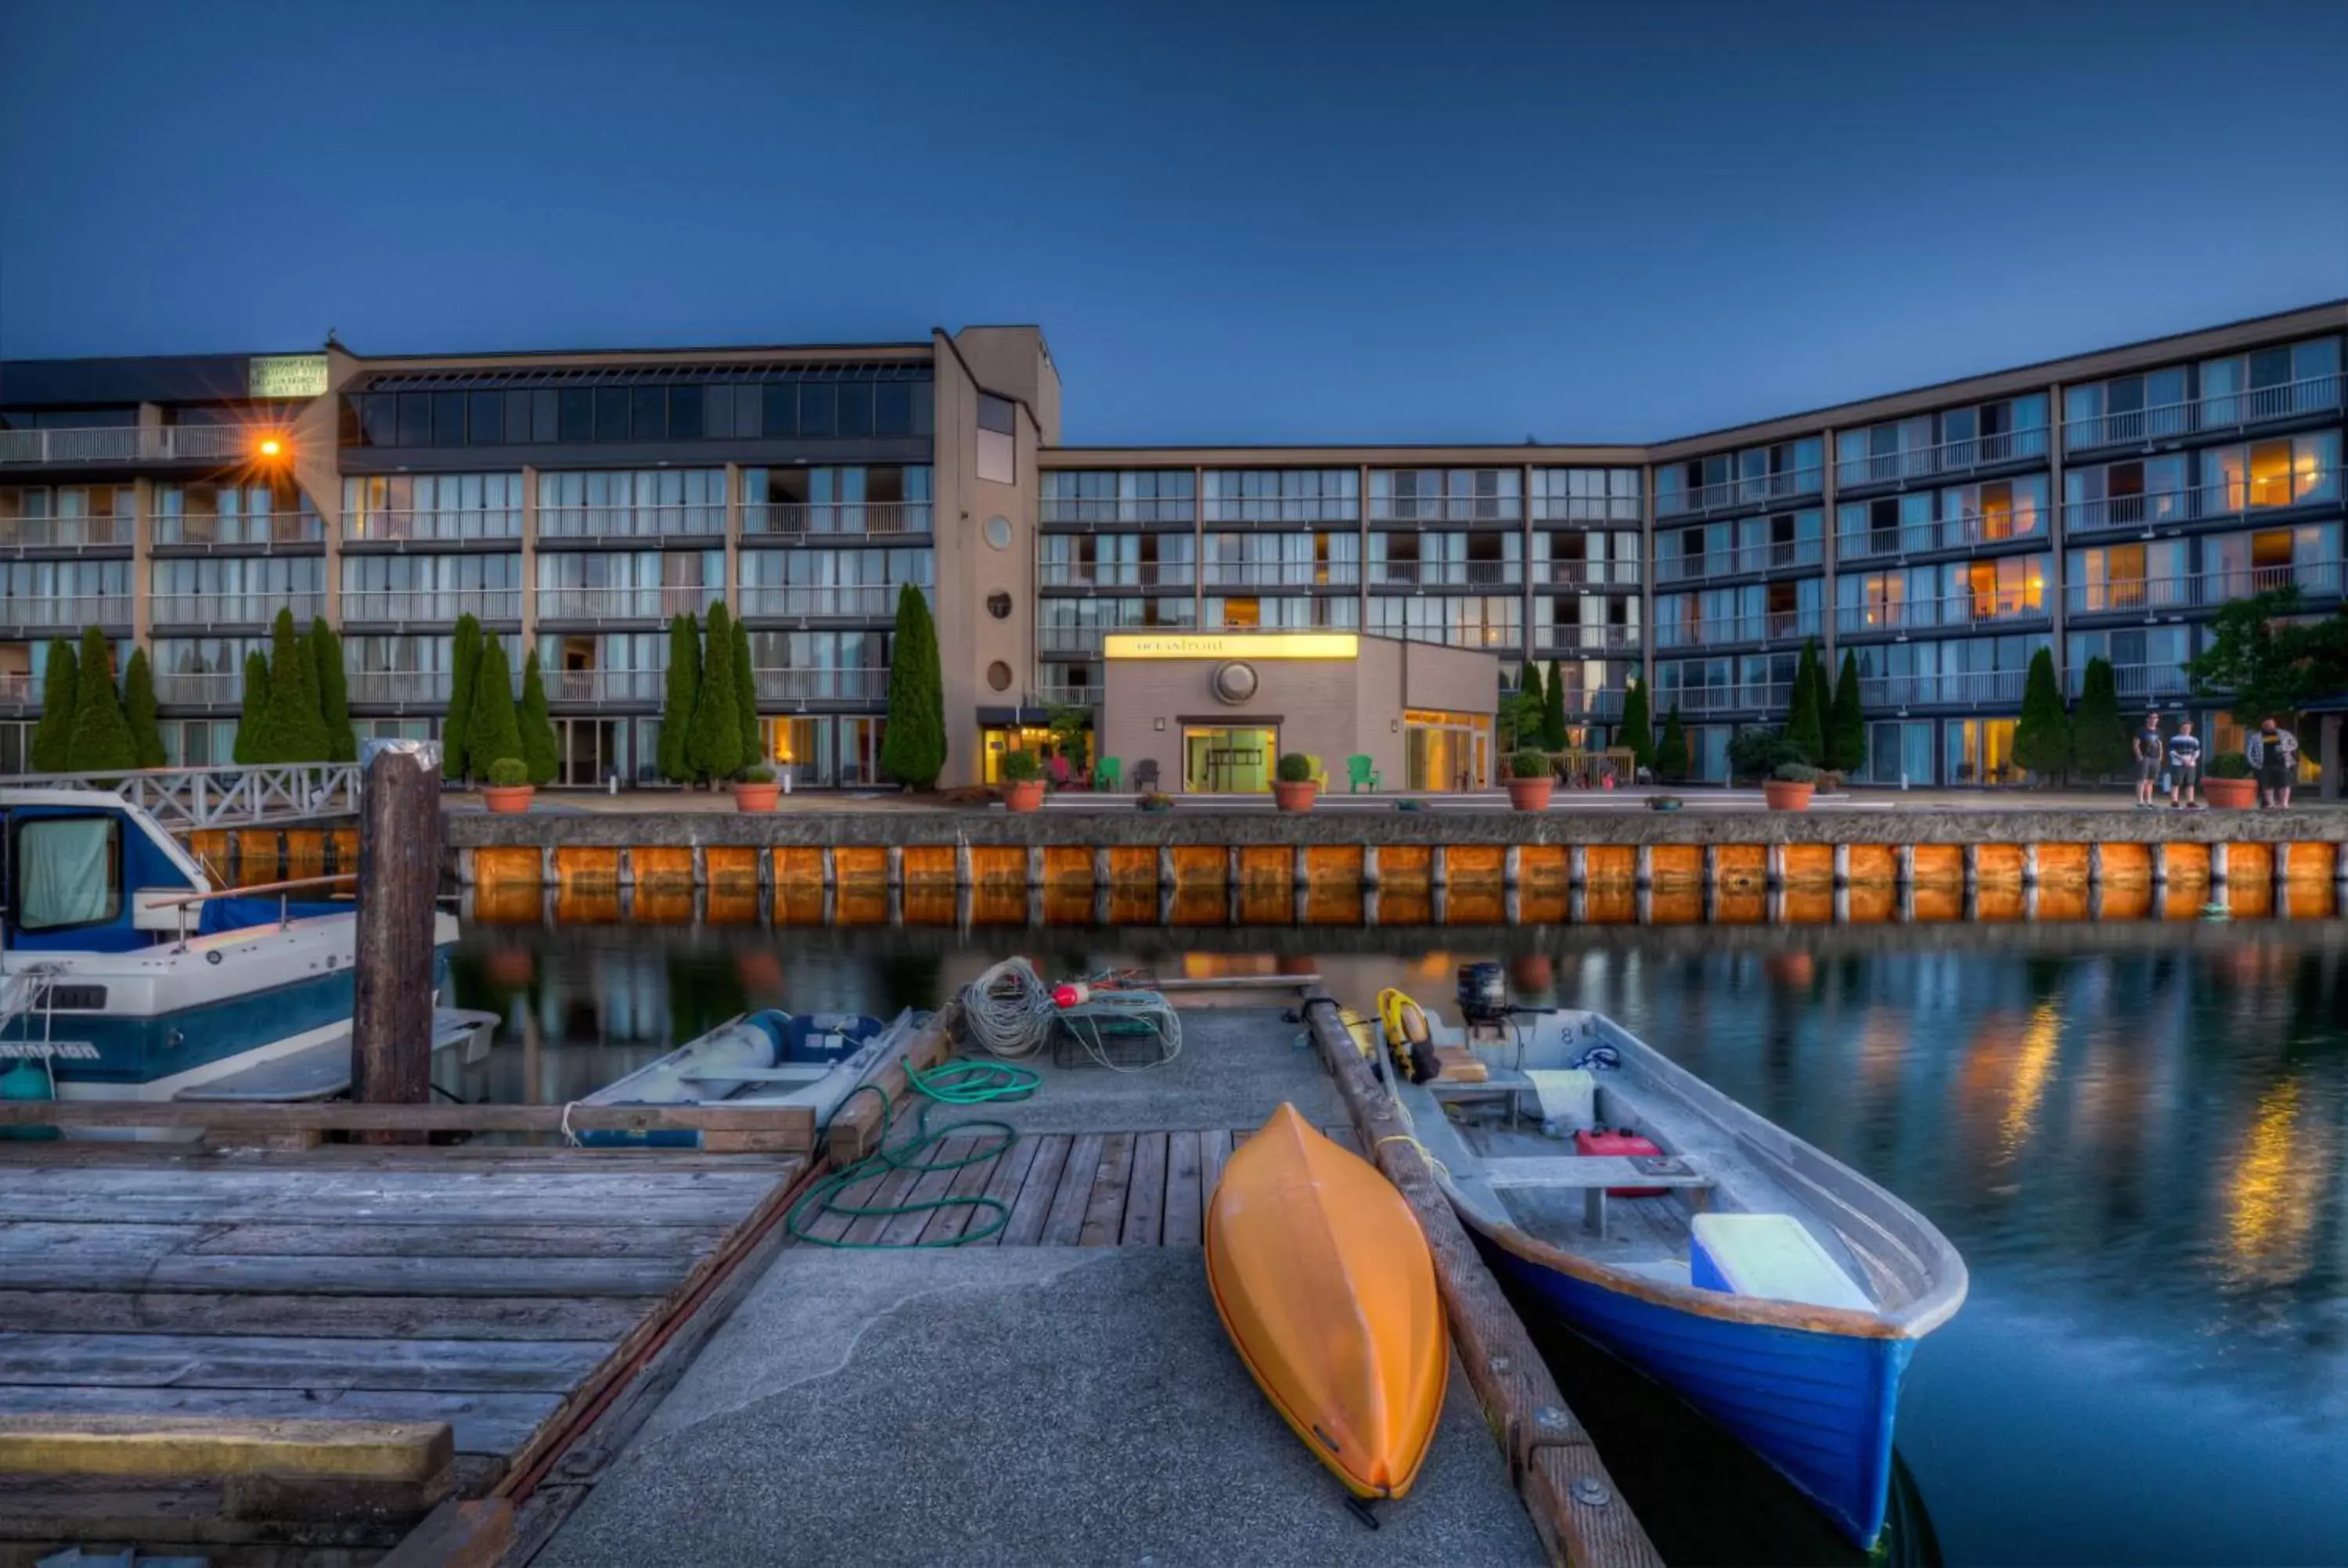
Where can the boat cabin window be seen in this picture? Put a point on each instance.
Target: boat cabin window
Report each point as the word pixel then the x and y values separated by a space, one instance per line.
pixel 67 872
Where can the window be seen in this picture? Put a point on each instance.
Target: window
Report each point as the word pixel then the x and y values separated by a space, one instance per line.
pixel 2281 473
pixel 998 452
pixel 67 872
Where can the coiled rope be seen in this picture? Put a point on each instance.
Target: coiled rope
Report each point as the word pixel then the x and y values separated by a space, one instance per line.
pixel 1008 1010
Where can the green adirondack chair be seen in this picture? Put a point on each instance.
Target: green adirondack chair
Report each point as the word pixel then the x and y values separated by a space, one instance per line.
pixel 1360 776
pixel 1108 774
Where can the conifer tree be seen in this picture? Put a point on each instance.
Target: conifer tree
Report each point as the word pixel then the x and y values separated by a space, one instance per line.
pixel 745 698
pixel 1805 725
pixel 100 740
pixel 2100 734
pixel 458 755
pixel 538 747
pixel 713 747
pixel 250 719
pixel 139 708
pixel 1672 751
pixel 1554 709
pixel 684 692
pixel 1636 731
pixel 334 693
pixel 2042 741
pixel 495 730
pixel 913 752
pixel 1846 720
pixel 60 688
pixel 294 728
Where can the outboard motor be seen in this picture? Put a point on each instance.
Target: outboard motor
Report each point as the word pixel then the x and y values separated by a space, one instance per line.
pixel 1483 994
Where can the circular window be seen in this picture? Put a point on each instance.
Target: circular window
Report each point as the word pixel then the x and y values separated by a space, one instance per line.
pixel 998 605
pixel 1235 683
pixel 998 532
pixel 998 675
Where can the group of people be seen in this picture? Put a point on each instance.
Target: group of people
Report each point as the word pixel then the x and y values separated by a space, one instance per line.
pixel 2173 763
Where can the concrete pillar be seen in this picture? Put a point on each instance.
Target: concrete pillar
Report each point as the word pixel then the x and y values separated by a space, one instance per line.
pixel 1577 905
pixel 766 870
pixel 1439 868
pixel 529 560
pixel 734 538
pixel 2281 857
pixel 962 878
pixel 830 875
pixel 1842 865
pixel 1370 866
pixel 1973 871
pixel 1710 867
pixel 1103 870
pixel 700 867
pixel 1300 872
pixel 1775 859
pixel 627 867
pixel 2030 865
pixel 1903 863
pixel 1643 876
pixel 1165 867
pixel 1577 868
pixel 1034 865
pixel 2159 865
pixel 1232 869
pixel 2095 865
pixel 1512 867
pixel 548 874
pixel 143 571
pixel 896 864
pixel 465 867
pixel 2218 865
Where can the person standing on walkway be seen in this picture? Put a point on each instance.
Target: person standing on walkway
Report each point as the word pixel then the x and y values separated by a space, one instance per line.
pixel 2148 753
pixel 2184 766
pixel 2273 751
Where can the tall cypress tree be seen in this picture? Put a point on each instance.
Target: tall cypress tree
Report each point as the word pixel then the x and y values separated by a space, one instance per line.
pixel 101 735
pixel 1672 751
pixel 745 698
pixel 714 746
pixel 538 748
pixel 459 754
pixel 1846 721
pixel 684 692
pixel 2099 735
pixel 295 726
pixel 2042 741
pixel 495 729
pixel 139 708
pixel 334 693
pixel 252 719
pixel 1531 708
pixel 1554 709
pixel 60 688
pixel 1805 725
pixel 913 752
pixel 1637 728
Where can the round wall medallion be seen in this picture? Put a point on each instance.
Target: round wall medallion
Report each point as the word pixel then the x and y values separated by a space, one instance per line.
pixel 998 605
pixel 998 676
pixel 998 532
pixel 1235 683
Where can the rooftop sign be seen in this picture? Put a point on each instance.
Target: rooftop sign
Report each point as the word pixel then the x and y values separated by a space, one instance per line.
pixel 286 375
pixel 1231 645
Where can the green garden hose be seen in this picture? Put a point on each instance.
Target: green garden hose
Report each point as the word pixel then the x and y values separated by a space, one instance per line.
pixel 953 1083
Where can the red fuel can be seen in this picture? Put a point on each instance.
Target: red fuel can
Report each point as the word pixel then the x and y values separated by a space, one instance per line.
pixel 1618 1140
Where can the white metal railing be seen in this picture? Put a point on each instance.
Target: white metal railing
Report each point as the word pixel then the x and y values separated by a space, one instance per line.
pixel 1778 555
pixel 1587 573
pixel 1967 532
pixel 835 519
pixel 659 602
pixel 1730 495
pixel 2003 607
pixel 2137 681
pixel 1080 638
pixel 258 609
pixel 1280 574
pixel 199 688
pixel 210 530
pixel 1447 510
pixel 398 686
pixel 134 443
pixel 1274 512
pixel 1589 639
pixel 677 520
pixel 2119 596
pixel 18 690
pixel 1115 574
pixel 2227 411
pixel 2230 499
pixel 852 684
pixel 1115 509
pixel 1062 695
pixel 429 606
pixel 844 601
pixel 1751 696
pixel 72 611
pixel 1948 457
pixel 66 533
pixel 1967 688
pixel 1447 574
pixel 1625 509
pixel 606 685
pixel 391 526
pixel 184 798
pixel 1720 631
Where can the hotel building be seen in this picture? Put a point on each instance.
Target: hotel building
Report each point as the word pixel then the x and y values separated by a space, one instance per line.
pixel 2100 506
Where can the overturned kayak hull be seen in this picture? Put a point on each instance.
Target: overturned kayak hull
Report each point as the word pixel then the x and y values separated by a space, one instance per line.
pixel 1325 1285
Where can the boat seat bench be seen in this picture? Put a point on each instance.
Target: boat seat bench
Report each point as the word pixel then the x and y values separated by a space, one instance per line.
pixel 794 1072
pixel 1593 1174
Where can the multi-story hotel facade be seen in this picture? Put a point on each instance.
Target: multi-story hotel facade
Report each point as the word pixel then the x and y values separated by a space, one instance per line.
pixel 2100 506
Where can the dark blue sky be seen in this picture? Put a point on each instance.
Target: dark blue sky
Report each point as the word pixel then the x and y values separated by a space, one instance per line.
pixel 1245 221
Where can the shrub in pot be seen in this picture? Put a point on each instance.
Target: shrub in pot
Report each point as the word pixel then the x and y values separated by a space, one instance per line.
pixel 755 789
pixel 1789 788
pixel 1293 788
pixel 1531 777
pixel 2230 785
pixel 509 790
pixel 1759 754
pixel 1023 781
pixel 1157 800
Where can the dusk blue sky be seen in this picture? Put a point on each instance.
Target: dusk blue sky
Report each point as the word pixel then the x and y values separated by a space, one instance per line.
pixel 1250 222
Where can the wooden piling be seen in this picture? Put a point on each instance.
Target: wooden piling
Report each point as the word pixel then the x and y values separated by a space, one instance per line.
pixel 399 871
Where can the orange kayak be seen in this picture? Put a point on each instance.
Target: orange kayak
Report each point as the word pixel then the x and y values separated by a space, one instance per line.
pixel 1326 1287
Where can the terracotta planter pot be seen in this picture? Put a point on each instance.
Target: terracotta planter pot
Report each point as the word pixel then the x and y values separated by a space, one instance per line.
pixel 2230 794
pixel 1530 794
pixel 1294 796
pixel 1783 796
pixel 1022 794
pixel 757 796
pixel 507 800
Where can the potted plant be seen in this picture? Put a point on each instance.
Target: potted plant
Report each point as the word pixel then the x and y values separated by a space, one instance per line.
pixel 2230 785
pixel 1293 788
pixel 509 790
pixel 1789 788
pixel 1664 803
pixel 1023 781
pixel 1157 800
pixel 1530 780
pixel 755 789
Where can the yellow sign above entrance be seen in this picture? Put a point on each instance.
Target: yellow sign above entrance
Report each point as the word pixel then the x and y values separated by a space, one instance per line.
pixel 1231 645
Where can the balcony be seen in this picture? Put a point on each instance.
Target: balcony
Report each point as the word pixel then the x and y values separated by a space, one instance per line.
pixel 794 601
pixel 1972 532
pixel 1274 512
pixel 2223 415
pixel 650 522
pixel 1740 495
pixel 853 684
pixel 67 533
pixel 1970 688
pixel 2205 503
pixel 1061 695
pixel 136 444
pixel 1751 697
pixel 19 691
pixel 1111 574
pixel 1586 574
pixel 1281 574
pixel 441 526
pixel 2137 682
pixel 1447 509
pixel 397 688
pixel 1110 510
pixel 1623 510
pixel 2150 596
pixel 429 606
pixel 201 610
pixel 1483 574
pixel 66 612
pixel 1774 626
pixel 206 530
pixel 1956 612
pixel 1780 555
pixel 835 519
pixel 1085 639
pixel 199 688
pixel 596 606
pixel 1573 640
pixel 1950 458
pixel 606 685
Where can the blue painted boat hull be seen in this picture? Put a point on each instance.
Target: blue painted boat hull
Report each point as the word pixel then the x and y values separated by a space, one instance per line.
pixel 1818 1407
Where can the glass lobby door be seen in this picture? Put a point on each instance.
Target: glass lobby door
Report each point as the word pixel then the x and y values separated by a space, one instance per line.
pixel 1227 761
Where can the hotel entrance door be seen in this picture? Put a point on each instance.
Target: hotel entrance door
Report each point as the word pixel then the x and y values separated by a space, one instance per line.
pixel 1227 761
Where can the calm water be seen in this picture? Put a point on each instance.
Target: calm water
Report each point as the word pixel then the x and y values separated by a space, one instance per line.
pixel 2138 1137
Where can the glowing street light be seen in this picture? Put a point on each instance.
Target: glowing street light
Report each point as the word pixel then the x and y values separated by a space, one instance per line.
pixel 271 447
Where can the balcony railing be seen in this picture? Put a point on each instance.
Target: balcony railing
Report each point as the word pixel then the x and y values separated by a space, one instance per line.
pixel 1273 512
pixel 2217 415
pixel 68 611
pixel 1112 509
pixel 1964 688
pixel 1736 495
pixel 1061 695
pixel 1447 510
pixel 853 684
pixel 18 691
pixel 1779 555
pixel 795 601
pixel 1748 697
pixel 1624 509
pixel 1280 574
pixel 1949 457
pixel 134 443
pixel 1115 574
pixel 254 609
pixel 601 604
pixel 1586 574
pixel 430 606
pixel 2204 503
pixel 835 519
pixel 2137 681
pixel 199 688
pixel 1969 532
pixel 685 521
pixel 1589 639
pixel 1447 574
pixel 2004 609
pixel 1774 626
pixel 67 533
pixel 453 525
pixel 390 687
pixel 210 531
pixel 1081 639
pixel 2151 595
pixel 606 685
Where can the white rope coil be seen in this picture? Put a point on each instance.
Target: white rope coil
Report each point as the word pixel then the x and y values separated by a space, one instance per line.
pixel 1008 1009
